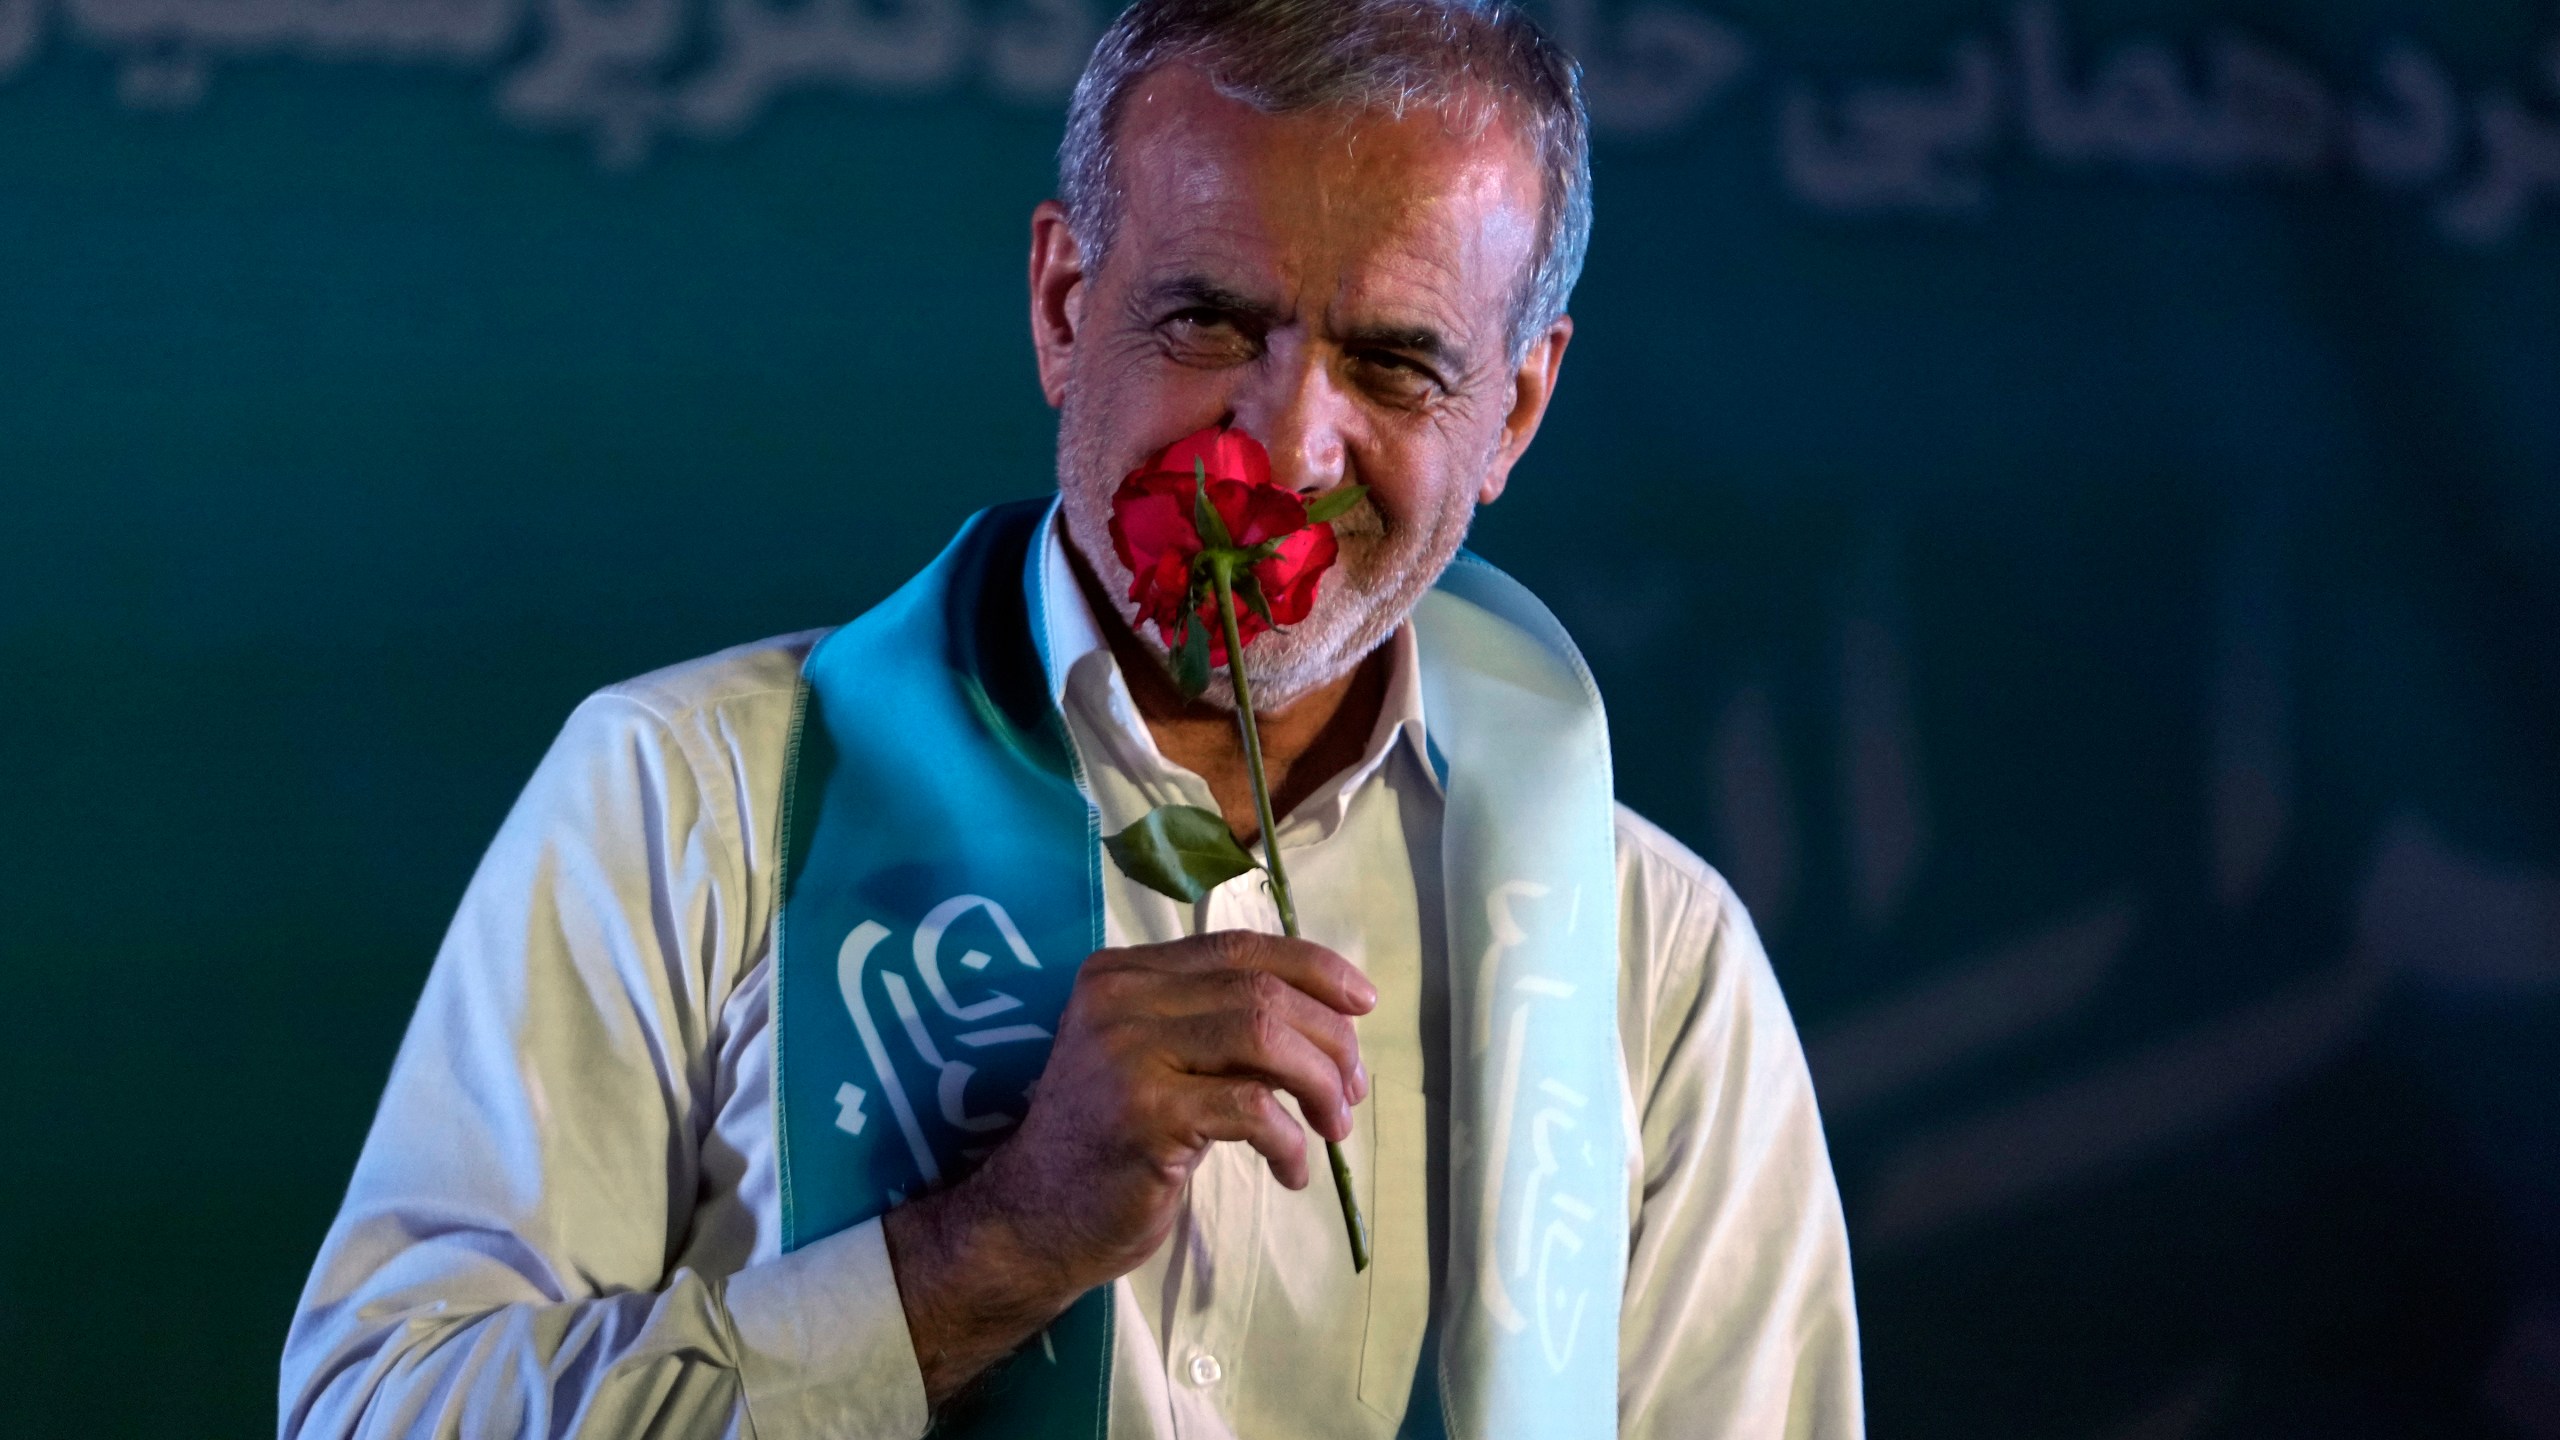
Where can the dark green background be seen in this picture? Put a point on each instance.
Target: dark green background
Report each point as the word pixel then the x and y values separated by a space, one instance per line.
pixel 1955 579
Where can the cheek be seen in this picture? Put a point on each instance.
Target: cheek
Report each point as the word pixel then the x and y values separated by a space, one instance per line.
pixel 1421 470
pixel 1139 402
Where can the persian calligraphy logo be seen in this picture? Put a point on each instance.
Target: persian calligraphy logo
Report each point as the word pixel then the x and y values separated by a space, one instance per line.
pixel 983 1025
pixel 2231 107
pixel 1524 1250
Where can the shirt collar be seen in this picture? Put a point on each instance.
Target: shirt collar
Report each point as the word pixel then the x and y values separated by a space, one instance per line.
pixel 1069 632
pixel 1081 669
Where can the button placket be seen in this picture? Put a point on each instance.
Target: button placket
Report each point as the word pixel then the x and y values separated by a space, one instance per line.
pixel 1216 1295
pixel 1244 1186
pixel 1227 1195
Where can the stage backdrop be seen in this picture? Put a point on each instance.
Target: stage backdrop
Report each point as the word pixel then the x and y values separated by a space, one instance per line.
pixel 2063 498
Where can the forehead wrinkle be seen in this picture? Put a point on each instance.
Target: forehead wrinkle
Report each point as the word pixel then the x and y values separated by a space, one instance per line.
pixel 1302 207
pixel 1209 243
pixel 1230 253
pixel 1444 234
pixel 1420 278
pixel 1425 297
pixel 1324 216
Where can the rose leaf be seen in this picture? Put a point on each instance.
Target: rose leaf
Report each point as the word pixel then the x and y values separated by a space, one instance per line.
pixel 1212 525
pixel 1191 657
pixel 1333 503
pixel 1179 850
pixel 1251 589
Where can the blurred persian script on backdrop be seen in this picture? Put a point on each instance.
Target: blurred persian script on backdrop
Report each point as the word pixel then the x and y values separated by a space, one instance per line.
pixel 2064 499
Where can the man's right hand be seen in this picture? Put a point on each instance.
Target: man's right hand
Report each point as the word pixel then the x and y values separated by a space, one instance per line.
pixel 1162 1051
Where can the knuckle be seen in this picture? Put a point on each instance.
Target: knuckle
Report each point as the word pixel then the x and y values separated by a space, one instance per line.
pixel 1284 1132
pixel 1105 967
pixel 1110 993
pixel 1133 1043
pixel 1264 1010
pixel 1262 989
pixel 1117 1043
pixel 1256 1104
pixel 1265 1031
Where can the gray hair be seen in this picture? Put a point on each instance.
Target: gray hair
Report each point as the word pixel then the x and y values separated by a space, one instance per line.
pixel 1290 56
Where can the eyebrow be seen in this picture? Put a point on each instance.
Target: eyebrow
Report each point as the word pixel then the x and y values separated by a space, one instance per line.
pixel 1190 291
pixel 1421 340
pixel 1200 292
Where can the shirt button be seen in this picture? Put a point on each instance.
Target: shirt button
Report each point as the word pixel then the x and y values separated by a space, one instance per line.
pixel 1205 1370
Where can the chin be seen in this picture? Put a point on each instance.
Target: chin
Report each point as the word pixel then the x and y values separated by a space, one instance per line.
pixel 1288 665
pixel 1370 593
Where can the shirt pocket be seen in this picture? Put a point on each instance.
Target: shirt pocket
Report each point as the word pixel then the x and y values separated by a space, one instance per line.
pixel 1398 1209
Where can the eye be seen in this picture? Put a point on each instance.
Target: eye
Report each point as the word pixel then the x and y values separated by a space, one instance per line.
pixel 1207 337
pixel 1394 378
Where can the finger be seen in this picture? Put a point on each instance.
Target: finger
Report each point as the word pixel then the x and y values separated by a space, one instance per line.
pixel 1260 1043
pixel 1259 992
pixel 1304 964
pixel 1247 1110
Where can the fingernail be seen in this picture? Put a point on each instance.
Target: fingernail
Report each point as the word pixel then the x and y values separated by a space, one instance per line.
pixel 1360 1080
pixel 1366 994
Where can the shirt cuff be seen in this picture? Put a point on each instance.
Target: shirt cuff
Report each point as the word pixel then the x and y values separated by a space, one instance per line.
pixel 823 1343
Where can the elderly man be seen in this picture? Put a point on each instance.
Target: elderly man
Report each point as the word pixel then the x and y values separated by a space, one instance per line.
pixel 795 1066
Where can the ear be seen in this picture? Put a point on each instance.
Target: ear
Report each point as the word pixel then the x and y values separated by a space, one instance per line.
pixel 1532 386
pixel 1057 296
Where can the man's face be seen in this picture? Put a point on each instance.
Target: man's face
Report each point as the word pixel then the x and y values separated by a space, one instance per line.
pixel 1340 286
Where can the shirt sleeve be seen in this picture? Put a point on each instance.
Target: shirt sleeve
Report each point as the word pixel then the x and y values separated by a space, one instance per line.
pixel 1740 1323
pixel 508 1260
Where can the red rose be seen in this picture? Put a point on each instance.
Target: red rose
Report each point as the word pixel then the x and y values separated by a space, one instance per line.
pixel 1153 527
pixel 1270 550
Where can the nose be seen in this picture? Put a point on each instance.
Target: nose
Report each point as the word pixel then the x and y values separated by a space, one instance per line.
pixel 1296 407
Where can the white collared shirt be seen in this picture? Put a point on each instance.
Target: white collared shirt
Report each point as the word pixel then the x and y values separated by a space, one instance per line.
pixel 566 1217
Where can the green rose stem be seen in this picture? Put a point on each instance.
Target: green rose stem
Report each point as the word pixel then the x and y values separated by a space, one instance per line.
pixel 1222 575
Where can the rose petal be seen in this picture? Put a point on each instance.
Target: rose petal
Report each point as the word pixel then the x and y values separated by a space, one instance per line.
pixel 1224 452
pixel 1151 517
pixel 1289 578
pixel 1268 512
pixel 1233 500
pixel 1159 589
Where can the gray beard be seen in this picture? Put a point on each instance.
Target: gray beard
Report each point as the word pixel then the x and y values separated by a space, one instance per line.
pixel 1382 572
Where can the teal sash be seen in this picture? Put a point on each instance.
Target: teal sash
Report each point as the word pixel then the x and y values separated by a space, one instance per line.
pixel 942 881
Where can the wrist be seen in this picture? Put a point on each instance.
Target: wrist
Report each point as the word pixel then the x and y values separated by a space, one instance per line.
pixel 972 1284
